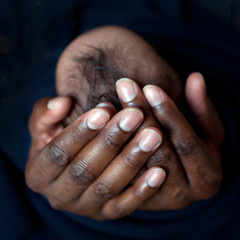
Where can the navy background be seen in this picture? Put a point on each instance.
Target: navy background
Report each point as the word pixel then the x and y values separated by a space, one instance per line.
pixel 190 35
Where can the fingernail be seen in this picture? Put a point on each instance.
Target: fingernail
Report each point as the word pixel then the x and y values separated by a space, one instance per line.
pixel 97 119
pixel 153 95
pixel 202 81
pixel 102 105
pixel 149 140
pixel 200 74
pixel 156 177
pixel 54 102
pixel 130 119
pixel 126 89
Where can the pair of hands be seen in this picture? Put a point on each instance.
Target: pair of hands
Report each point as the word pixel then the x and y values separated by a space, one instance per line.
pixel 88 168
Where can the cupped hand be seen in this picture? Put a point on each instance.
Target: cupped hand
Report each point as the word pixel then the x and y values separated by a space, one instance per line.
pixel 192 162
pixel 86 167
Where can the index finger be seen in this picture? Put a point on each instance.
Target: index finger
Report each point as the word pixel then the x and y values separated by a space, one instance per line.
pixel 62 149
pixel 189 147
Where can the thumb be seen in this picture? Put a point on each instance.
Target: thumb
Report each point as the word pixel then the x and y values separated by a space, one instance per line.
pixel 203 109
pixel 46 116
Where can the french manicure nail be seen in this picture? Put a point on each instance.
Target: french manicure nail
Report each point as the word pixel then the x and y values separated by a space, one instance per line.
pixel 97 119
pixel 156 177
pixel 52 103
pixel 149 140
pixel 130 119
pixel 153 95
pixel 126 89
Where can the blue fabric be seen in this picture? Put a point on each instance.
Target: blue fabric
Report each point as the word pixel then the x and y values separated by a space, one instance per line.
pixel 33 35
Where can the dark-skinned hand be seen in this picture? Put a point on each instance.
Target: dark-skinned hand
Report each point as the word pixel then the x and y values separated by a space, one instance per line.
pixel 86 168
pixel 192 163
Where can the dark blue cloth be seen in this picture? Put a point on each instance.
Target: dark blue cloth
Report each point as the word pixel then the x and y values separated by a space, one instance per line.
pixel 32 36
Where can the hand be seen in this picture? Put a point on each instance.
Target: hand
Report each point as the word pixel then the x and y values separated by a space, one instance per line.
pixel 84 168
pixel 193 163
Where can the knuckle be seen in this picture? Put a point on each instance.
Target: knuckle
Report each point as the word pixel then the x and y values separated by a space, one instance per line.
pixel 181 198
pixel 32 180
pixel 33 184
pixel 120 211
pixel 209 184
pixel 78 134
pixel 160 158
pixel 56 155
pixel 104 192
pixel 56 203
pixel 65 192
pixel 139 196
pixel 164 108
pixel 80 173
pixel 131 160
pixel 186 146
pixel 112 140
pixel 166 112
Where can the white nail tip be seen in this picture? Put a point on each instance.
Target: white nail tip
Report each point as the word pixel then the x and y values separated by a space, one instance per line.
pixel 52 103
pixel 156 177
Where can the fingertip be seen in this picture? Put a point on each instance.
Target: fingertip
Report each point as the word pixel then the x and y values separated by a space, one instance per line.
pixel 130 119
pixel 97 118
pixel 150 139
pixel 107 105
pixel 57 109
pixel 58 102
pixel 195 92
pixel 195 82
pixel 126 90
pixel 202 107
pixel 155 177
pixel 46 114
pixel 103 104
pixel 153 94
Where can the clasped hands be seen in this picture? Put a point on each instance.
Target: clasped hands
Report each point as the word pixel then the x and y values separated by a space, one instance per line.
pixel 88 167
